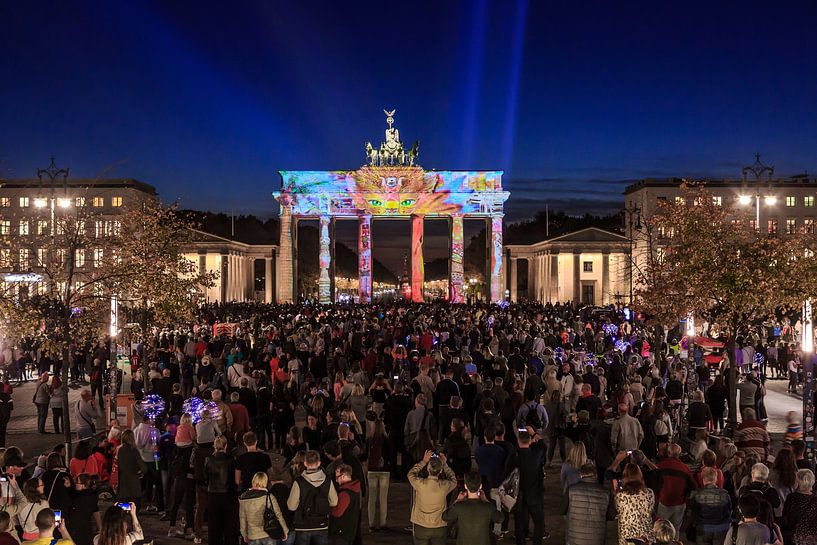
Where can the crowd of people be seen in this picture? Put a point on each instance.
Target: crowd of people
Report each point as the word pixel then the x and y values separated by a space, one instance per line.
pixel 288 424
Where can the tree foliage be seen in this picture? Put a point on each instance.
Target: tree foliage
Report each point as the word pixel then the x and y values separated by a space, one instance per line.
pixel 707 261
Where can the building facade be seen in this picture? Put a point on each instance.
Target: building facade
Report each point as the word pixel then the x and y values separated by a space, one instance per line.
pixel 590 266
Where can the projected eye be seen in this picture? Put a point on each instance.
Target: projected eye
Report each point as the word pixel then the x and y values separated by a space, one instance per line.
pixel 375 202
pixel 407 202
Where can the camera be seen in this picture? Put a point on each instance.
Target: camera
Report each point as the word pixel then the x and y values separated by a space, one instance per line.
pixel 57 517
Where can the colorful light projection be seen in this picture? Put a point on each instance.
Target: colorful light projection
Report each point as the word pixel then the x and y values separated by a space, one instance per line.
pixel 496 258
pixel 417 265
pixel 325 258
pixel 364 259
pixel 457 280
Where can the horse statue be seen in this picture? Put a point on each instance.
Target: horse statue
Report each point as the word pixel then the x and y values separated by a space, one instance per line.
pixel 371 154
pixel 414 153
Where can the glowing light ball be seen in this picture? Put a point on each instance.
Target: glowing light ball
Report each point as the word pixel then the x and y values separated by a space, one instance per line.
pixel 559 353
pixel 621 346
pixel 610 329
pixel 758 360
pixel 589 359
pixel 195 407
pixel 152 406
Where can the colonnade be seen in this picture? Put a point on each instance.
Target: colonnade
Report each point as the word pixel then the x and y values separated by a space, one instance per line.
pixel 288 258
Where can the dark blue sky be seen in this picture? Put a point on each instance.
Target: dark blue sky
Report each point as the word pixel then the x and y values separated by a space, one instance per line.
pixel 207 100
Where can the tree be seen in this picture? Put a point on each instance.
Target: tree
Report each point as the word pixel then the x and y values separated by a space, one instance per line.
pixel 708 263
pixel 157 282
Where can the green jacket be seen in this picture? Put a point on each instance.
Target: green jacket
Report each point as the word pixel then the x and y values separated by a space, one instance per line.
pixel 476 518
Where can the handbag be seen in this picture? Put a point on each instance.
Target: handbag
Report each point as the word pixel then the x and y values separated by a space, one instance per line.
pixel 271 525
pixel 509 490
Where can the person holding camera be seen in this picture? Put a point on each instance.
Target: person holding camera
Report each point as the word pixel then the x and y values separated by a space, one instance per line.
pixel 432 481
pixel 114 529
pixel 48 521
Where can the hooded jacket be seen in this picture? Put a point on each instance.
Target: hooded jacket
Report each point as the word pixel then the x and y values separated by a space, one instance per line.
pixel 344 516
pixel 301 496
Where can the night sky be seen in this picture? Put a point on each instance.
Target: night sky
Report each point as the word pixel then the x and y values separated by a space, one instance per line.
pixel 207 100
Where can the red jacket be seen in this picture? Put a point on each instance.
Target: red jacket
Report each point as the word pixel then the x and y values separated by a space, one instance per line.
pixel 676 482
pixel 241 419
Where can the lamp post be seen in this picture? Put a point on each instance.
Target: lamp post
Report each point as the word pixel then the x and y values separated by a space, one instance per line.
pixel 757 170
pixel 53 173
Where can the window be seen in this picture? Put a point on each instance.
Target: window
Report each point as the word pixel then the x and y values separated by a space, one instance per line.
pixel 23 228
pixel 808 201
pixel 79 202
pixel 697 201
pixel 662 199
pixel 791 201
pixel 25 261
pixel 5 227
pixel 5 257
pixel 98 202
pixel 116 228
pixel 717 201
pixel 42 256
pixel 753 225
pixel 23 202
pixel 680 200
pixel 808 226
pixel 80 227
pixel 116 201
pixel 79 258
pixel 42 227
pixel 587 266
pixel 59 256
pixel 791 226
pixel 5 202
pixel 98 253
pixel 99 229
pixel 42 288
pixel 734 222
pixel 772 226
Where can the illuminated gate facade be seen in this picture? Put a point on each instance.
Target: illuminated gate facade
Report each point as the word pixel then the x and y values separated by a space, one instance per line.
pixel 390 185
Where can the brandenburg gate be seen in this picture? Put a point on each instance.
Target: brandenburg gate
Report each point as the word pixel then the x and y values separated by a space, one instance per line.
pixel 391 185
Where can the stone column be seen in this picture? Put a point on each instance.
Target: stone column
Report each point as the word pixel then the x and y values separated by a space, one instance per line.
pixel 456 280
pixel 605 278
pixel 268 298
pixel 324 260
pixel 497 269
pixel 284 262
pixel 225 273
pixel 577 283
pixel 364 259
pixel 531 294
pixel 417 266
pixel 554 277
pixel 514 271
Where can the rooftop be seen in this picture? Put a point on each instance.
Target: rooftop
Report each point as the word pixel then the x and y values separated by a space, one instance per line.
pixel 801 180
pixel 81 183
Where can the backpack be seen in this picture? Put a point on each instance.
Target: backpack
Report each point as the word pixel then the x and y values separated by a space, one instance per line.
pixel 315 500
pixel 532 419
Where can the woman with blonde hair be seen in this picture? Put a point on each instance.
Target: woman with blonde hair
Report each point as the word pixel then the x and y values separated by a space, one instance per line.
pixel 571 467
pixel 349 416
pixel 251 507
pixel 357 402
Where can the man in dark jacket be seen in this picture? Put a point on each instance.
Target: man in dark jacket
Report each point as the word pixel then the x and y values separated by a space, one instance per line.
pixel 311 499
pixel 344 520
pixel 711 509
pixel 474 513
pixel 530 461
pixel 589 506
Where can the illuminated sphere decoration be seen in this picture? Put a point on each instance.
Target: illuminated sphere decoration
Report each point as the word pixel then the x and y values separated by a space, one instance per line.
pixel 610 329
pixel 152 406
pixel 758 360
pixel 195 407
pixel 622 346
pixel 590 359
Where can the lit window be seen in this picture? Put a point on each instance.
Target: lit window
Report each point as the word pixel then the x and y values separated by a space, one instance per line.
pixel 42 256
pixel 697 201
pixel 79 258
pixel 5 227
pixel 808 201
pixel 116 201
pixel 588 266
pixel 680 200
pixel 98 202
pixel 23 202
pixel 42 227
pixel 79 202
pixel 808 225
pixel 25 262
pixel 717 201
pixel 753 225
pixel 117 228
pixel 736 223
pixel 791 226
pixel 23 227
pixel 772 226
pixel 5 202
pixel 42 288
pixel 98 253
pixel 791 201
pixel 60 254
pixel 59 227
pixel 99 230
pixel 5 257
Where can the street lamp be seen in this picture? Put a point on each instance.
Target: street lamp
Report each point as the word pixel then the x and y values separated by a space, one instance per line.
pixel 758 169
